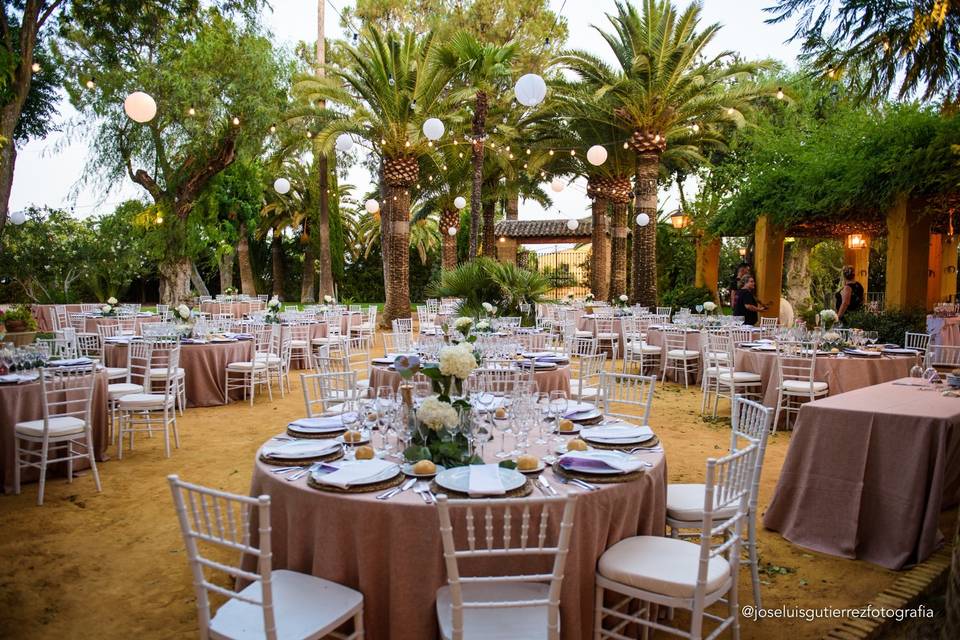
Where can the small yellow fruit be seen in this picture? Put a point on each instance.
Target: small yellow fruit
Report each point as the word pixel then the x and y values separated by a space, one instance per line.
pixel 577 445
pixel 566 425
pixel 366 452
pixel 371 417
pixel 352 436
pixel 500 413
pixel 834 350
pixel 424 467
pixel 527 463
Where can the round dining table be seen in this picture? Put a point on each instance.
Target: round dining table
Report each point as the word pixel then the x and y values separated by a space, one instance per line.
pixel 383 375
pixel 204 365
pixel 841 372
pixel 391 551
pixel 24 401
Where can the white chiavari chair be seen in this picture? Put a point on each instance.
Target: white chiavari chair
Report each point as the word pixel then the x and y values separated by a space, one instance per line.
pixel 679 359
pixel 607 334
pixel 328 393
pixel 65 343
pixel 357 353
pixel 163 312
pixel 142 411
pixel 425 320
pixel 248 374
pixel 636 351
pixel 396 343
pixel 664 311
pixel 676 573
pixel 60 317
pixel 627 395
pixel 528 605
pixel 918 341
pixel 137 366
pixel 717 355
pixel 275 604
pixel 402 325
pixel 277 357
pixel 796 378
pixel 161 346
pixel 586 385
pixel 64 433
pixel 299 331
pixel 733 382
pixel 943 357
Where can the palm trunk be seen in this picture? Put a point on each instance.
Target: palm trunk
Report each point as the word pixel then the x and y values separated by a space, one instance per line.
pixel 618 250
pixel 448 243
pixel 323 233
pixel 248 285
pixel 644 291
pixel 599 251
pixel 384 236
pixel 276 261
pixel 225 265
pixel 398 230
pixel 476 198
pixel 309 266
pixel 489 239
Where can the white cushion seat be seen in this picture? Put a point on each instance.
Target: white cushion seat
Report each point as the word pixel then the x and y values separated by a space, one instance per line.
pixel 118 389
pixel 269 358
pixel 586 391
pixel 59 426
pixel 685 503
pixel 304 606
pixel 496 623
pixel 143 401
pixel 644 348
pixel 115 372
pixel 246 366
pixel 581 333
pixel 608 336
pixel 661 565
pixel 716 371
pixel 299 344
pixel 683 354
pixel 326 340
pixel 801 386
pixel 159 373
pixel 741 377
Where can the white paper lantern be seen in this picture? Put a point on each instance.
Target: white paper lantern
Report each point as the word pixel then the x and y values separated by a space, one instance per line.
pixel 452 231
pixel 643 219
pixel 433 128
pixel 18 217
pixel 557 185
pixel 372 206
pixel 572 224
pixel 459 202
pixel 140 107
pixel 596 155
pixel 530 90
pixel 281 185
pixel 344 143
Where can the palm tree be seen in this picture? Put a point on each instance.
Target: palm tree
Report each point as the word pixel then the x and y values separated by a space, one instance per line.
pixel 485 69
pixel 388 89
pixel 664 88
pixel 438 197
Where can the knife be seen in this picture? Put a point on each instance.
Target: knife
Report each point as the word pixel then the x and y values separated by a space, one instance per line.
pixel 392 492
pixel 546 485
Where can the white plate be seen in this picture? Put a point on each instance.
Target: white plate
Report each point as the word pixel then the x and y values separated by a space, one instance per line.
pixel 540 467
pixel 220 340
pixel 364 439
pixel 299 449
pixel 572 432
pixel 764 347
pixel 901 351
pixel 592 414
pixel 641 435
pixel 604 455
pixel 407 470
pixel 458 479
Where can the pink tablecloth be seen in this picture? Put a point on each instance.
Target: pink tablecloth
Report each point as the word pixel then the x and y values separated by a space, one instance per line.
pixel 204 364
pixel 19 403
pixel 553 380
pixel 91 324
pixel 841 373
pixel 868 472
pixel 43 314
pixel 391 550
pixel 588 322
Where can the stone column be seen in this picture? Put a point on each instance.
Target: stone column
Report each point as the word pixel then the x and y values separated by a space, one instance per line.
pixel 708 265
pixel 768 266
pixel 908 254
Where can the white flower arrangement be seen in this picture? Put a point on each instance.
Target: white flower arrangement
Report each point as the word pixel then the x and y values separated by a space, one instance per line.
pixel 183 313
pixel 111 301
pixel 106 309
pixel 437 415
pixel 831 336
pixel 463 324
pixel 588 298
pixel 709 306
pixel 489 308
pixel 274 304
pixel 484 325
pixel 328 299
pixel 623 297
pixel 457 361
pixel 828 315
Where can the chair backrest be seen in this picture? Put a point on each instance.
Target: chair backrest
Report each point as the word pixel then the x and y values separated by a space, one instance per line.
pixel 58 317
pixel 664 311
pixel 943 356
pixel 397 343
pixel 919 341
pixel 67 392
pixel 502 381
pixel 739 335
pixel 527 528
pixel 216 519
pixel 751 422
pixel 65 342
pixel 796 360
pixel 163 310
pixel 165 355
pixel 769 322
pixel 580 347
pixel 89 345
pixel 719 350
pixel 589 372
pixel 403 325
pixel 674 338
pixel 323 390
pixel 139 360
pixel 634 392
pixel 606 327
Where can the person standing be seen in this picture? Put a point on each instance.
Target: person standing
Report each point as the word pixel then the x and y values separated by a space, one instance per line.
pixel 743 269
pixel 747 304
pixel 851 294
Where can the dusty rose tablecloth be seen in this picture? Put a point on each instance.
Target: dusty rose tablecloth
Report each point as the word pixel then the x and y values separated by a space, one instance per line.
pixel 841 373
pixel 553 380
pixel 43 315
pixel 391 550
pixel 204 364
pixel 944 330
pixel 588 322
pixel 90 324
pixel 868 472
pixel 19 403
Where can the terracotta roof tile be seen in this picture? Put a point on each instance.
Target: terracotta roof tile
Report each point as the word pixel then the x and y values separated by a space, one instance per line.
pixel 556 228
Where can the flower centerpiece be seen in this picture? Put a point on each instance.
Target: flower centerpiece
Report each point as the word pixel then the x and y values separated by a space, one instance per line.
pixel 109 308
pixel 588 303
pixel 464 325
pixel 184 317
pixel 328 299
pixel 230 292
pixel 273 310
pixel 490 310
pixel 621 301
pixel 483 326
pixel 828 318
pixel 709 306
pixel 832 341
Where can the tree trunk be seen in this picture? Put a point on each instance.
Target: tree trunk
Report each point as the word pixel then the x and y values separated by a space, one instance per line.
pixel 397 227
pixel 323 233
pixel 384 214
pixel 489 238
pixel 248 285
pixel 175 280
pixel 309 263
pixel 798 278
pixel 198 284
pixel 618 250
pixel 599 251
pixel 476 197
pixel 448 243
pixel 8 159
pixel 276 261
pixel 225 264
pixel 644 291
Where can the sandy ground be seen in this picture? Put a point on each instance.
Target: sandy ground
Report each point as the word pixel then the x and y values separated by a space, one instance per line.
pixel 112 565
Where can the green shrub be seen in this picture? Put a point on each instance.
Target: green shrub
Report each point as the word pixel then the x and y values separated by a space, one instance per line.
pixel 685 296
pixel 20 313
pixel 890 325
pixel 484 280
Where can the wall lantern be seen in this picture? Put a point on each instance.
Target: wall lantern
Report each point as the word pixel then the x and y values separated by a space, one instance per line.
pixel 856 241
pixel 679 219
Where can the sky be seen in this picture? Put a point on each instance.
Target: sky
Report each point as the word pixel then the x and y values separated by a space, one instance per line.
pixel 48 170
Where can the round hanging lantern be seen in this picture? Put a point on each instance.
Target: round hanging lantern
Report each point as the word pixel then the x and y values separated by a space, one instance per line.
pixel 140 107
pixel 459 202
pixel 643 219
pixel 344 143
pixel 572 224
pixel 18 217
pixel 281 185
pixel 557 185
pixel 372 206
pixel 452 231
pixel 596 155
pixel 530 90
pixel 433 128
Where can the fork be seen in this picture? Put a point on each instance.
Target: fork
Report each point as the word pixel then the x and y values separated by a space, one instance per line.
pixel 303 472
pixel 423 489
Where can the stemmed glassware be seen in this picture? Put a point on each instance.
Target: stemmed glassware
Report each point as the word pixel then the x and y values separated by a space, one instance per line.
pixel 350 417
pixel 558 407
pixel 386 407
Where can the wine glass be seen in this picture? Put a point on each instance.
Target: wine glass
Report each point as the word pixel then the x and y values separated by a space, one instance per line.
pixel 422 390
pixel 558 407
pixel 350 417
pixel 542 407
pixel 385 408
pixel 929 375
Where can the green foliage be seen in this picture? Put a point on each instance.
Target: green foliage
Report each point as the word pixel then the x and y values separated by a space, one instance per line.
pixel 685 297
pixel 890 325
pixel 19 313
pixel 505 286
pixel 676 259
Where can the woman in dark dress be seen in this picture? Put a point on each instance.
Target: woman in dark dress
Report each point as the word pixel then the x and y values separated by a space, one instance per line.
pixel 747 304
pixel 850 297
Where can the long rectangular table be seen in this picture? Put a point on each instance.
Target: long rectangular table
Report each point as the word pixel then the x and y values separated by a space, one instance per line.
pixel 868 473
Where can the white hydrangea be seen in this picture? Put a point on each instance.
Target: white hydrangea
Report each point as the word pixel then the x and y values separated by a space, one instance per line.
pixel 709 306
pixel 437 415
pixel 828 315
pixel 489 308
pixel 328 299
pixel 183 311
pixel 111 300
pixel 274 303
pixel 483 325
pixel 460 324
pixel 457 361
pixel 831 336
pixel 623 297
pixel 105 308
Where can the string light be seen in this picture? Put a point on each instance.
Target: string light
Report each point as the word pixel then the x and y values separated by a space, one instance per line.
pixel 573 152
pixel 695 127
pixel 91 84
pixel 382 142
pixel 551 151
pixel 159 219
pixel 430 143
pixel 730 111
pixel 236 121
pixel 626 145
pixel 460 154
pixel 273 128
pixel 309 134
pixel 780 93
pixel 191 111
pixel 36 67
pixel 528 151
pixel 407 143
pixel 829 73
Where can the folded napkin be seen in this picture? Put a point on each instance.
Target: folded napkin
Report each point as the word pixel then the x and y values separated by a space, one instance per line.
pixel 485 481
pixel 300 448
pixel 861 352
pixel 582 410
pixel 586 462
pixel 18 378
pixel 540 354
pixel 552 358
pixel 357 471
pixel 321 423
pixel 622 431
pixel 71 362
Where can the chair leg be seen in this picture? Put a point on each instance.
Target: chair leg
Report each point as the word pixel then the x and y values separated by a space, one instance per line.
pixel 16 466
pixel 120 435
pixel 93 461
pixel 166 431
pixel 44 451
pixel 358 631
pixel 598 614
pixel 754 557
